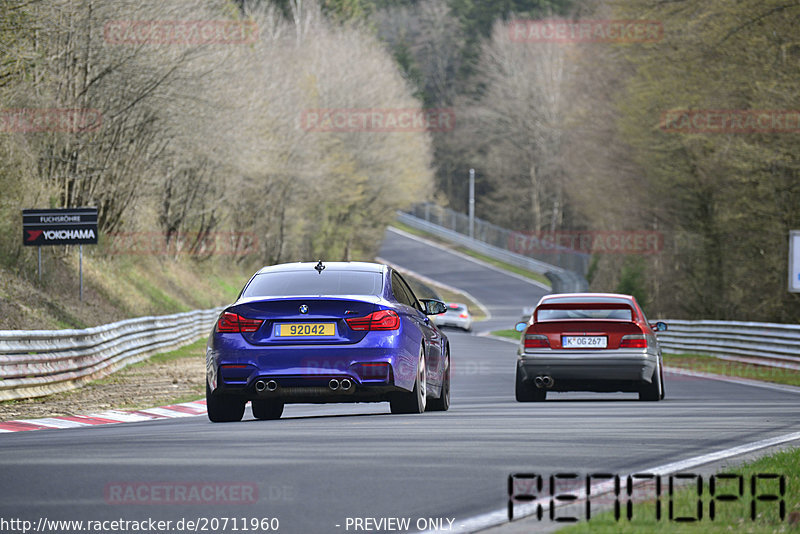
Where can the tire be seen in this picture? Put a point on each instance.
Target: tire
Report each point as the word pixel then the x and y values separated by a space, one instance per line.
pixel 415 400
pixel 224 408
pixel 661 372
pixel 442 404
pixel 267 409
pixel 652 391
pixel 526 392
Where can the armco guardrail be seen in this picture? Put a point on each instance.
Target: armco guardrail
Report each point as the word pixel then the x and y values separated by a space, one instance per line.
pixel 563 280
pixel 779 344
pixel 34 363
pixel 500 238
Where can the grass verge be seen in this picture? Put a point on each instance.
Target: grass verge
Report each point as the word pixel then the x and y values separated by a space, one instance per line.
pixel 115 288
pixel 482 257
pixel 510 334
pixel 709 364
pixel 733 515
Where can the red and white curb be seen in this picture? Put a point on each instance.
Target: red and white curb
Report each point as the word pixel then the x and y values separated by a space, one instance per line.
pixel 109 417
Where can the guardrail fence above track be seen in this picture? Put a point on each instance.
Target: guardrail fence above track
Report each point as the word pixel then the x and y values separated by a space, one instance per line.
pixel 501 238
pixel 34 363
pixel 564 270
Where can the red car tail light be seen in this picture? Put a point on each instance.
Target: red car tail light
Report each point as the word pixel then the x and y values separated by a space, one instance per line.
pixel 536 341
pixel 463 316
pixel 633 342
pixel 379 320
pixel 232 323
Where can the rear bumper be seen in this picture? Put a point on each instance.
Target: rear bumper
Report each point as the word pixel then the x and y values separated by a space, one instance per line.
pixel 376 367
pixel 623 369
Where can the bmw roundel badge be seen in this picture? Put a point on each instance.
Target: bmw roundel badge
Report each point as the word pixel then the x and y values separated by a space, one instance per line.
pixel 303 308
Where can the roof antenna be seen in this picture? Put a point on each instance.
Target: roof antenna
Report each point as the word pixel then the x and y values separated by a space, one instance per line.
pixel 320 267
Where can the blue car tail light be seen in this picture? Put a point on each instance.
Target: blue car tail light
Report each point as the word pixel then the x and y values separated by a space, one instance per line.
pixel 378 320
pixel 232 323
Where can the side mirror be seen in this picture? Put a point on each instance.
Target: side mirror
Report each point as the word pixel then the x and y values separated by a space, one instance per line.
pixel 433 306
pixel 659 326
pixel 520 327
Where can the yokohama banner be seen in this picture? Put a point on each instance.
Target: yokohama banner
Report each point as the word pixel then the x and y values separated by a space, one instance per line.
pixel 73 226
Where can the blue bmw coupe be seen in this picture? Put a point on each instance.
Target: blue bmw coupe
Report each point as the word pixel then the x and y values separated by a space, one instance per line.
pixel 326 332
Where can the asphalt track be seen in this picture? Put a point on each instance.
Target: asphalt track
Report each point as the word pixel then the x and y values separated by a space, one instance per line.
pixel 320 465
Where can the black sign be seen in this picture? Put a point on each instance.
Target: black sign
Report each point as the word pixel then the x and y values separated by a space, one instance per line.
pixel 72 226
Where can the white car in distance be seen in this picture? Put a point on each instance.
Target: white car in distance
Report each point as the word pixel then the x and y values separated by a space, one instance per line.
pixel 457 315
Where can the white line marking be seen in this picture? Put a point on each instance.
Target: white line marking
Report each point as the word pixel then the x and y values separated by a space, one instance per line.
pixel 438 246
pixel 427 280
pixel 499 517
pixel 721 455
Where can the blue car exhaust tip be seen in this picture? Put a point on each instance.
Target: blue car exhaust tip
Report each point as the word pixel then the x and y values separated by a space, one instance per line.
pixel 333 384
pixel 263 385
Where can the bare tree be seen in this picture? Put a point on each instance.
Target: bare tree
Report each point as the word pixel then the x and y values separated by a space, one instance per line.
pixel 520 121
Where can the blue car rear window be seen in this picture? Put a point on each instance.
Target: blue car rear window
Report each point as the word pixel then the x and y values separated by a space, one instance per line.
pixel 305 283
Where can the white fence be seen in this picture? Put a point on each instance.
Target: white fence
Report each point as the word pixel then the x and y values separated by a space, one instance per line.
pixel 774 344
pixel 562 280
pixel 498 238
pixel 34 363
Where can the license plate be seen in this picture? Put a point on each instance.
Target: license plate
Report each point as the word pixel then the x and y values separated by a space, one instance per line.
pixel 584 342
pixel 306 329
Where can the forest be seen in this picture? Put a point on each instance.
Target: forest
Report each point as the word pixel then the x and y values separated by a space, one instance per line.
pixel 568 135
